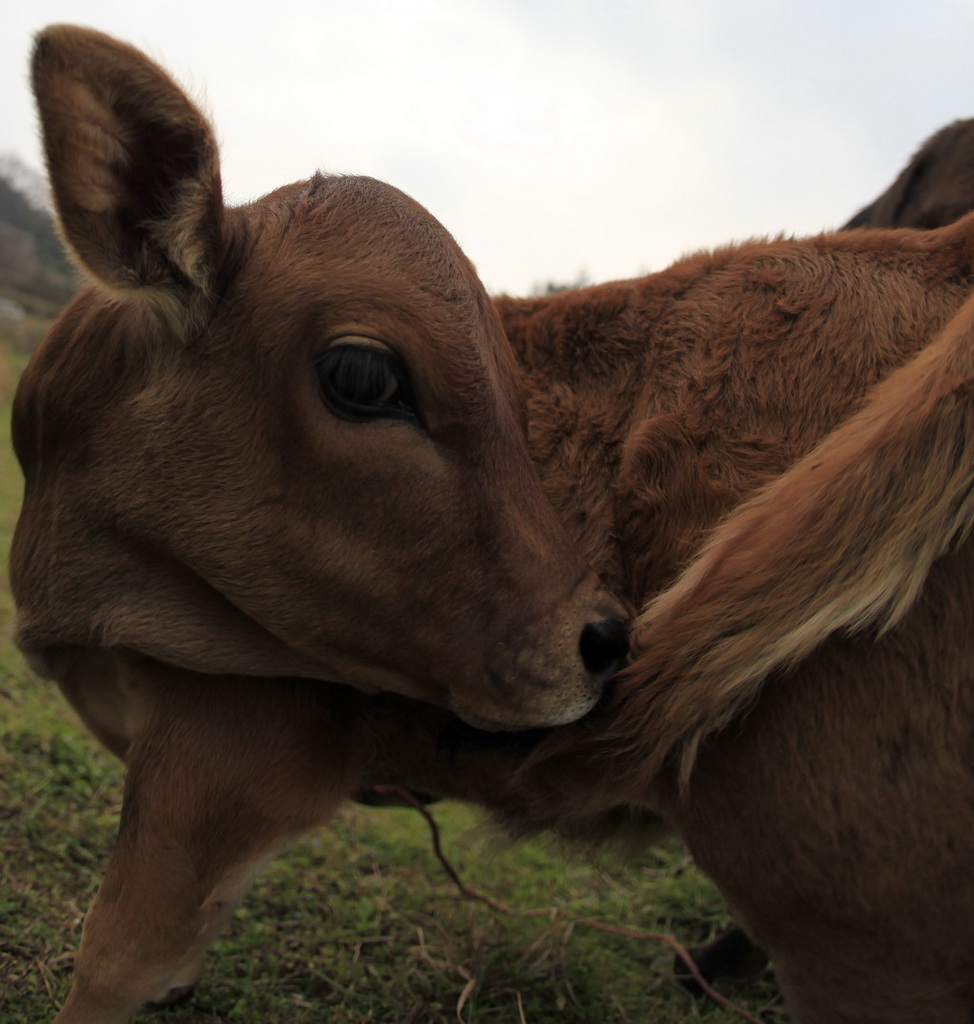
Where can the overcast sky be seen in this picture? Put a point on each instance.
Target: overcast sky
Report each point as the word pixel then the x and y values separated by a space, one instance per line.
pixel 555 138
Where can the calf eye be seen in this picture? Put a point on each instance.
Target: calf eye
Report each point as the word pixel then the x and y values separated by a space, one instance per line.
pixel 366 383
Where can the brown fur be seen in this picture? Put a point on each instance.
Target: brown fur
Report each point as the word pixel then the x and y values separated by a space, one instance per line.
pixel 936 187
pixel 766 448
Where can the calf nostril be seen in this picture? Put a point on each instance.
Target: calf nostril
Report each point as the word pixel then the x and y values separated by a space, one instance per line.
pixel 604 646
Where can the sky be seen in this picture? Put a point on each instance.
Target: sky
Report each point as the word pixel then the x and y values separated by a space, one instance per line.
pixel 558 140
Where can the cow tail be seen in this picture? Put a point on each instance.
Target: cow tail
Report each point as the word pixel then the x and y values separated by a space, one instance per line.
pixel 842 541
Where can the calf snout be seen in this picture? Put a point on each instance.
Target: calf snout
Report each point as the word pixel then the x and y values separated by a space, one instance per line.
pixel 548 670
pixel 603 647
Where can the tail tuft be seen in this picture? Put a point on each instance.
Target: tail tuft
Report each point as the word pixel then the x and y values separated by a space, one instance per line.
pixel 842 541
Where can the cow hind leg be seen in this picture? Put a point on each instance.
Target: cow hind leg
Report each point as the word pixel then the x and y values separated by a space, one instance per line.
pixel 223 773
pixel 857 991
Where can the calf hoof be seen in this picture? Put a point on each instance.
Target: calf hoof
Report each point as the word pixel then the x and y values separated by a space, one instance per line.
pixel 177 994
pixel 731 959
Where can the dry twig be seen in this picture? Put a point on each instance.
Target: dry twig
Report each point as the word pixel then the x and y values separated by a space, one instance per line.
pixel 556 913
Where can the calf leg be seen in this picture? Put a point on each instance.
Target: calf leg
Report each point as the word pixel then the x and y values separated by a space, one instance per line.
pixel 222 773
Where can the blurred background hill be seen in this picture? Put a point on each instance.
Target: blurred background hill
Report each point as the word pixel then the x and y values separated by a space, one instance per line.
pixel 36 277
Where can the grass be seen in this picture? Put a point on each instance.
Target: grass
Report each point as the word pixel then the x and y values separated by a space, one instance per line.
pixel 358 923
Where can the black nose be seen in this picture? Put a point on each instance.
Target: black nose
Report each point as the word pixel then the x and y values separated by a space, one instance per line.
pixel 604 646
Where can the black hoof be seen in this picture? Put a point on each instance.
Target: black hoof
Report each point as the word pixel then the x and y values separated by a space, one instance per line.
pixel 180 994
pixel 732 959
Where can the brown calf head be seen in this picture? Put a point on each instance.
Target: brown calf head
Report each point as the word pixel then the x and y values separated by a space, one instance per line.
pixel 281 439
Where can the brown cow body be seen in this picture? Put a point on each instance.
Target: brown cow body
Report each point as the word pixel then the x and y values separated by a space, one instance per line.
pixel 823 779
pixel 936 187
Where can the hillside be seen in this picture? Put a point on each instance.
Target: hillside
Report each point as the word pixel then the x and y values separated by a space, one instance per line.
pixel 36 278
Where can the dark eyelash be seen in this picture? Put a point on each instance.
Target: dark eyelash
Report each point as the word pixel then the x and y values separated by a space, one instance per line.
pixel 365 383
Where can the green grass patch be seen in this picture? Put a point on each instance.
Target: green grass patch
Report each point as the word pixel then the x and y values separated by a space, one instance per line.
pixel 358 923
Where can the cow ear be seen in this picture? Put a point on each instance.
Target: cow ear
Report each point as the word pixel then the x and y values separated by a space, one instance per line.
pixel 134 169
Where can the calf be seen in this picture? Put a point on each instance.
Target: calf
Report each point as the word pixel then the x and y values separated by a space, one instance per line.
pixel 279 448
